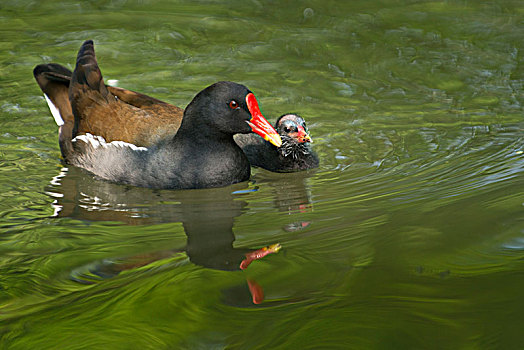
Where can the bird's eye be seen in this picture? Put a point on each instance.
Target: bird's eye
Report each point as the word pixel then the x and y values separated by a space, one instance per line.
pixel 233 104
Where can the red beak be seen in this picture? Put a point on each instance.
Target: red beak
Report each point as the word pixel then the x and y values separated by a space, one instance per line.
pixel 259 124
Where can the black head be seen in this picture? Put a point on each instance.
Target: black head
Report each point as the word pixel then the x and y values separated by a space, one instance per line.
pixel 228 108
pixel 294 133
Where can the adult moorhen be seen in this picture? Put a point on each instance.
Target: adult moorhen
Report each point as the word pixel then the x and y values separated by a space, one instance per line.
pixel 97 126
pixel 295 154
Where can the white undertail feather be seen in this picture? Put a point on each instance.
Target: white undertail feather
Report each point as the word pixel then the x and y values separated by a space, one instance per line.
pixel 99 141
pixel 54 111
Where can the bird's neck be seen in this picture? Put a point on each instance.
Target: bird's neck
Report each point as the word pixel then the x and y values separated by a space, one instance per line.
pixel 192 130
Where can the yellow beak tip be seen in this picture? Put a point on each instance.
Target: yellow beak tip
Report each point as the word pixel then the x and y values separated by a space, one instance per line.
pixel 274 139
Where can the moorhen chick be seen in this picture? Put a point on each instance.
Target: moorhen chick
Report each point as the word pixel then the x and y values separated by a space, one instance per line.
pixel 295 153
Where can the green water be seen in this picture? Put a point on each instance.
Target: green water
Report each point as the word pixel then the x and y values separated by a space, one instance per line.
pixel 410 235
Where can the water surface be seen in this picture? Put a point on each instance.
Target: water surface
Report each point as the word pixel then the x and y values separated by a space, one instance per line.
pixel 409 235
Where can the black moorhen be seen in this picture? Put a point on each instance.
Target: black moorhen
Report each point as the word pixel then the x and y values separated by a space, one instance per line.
pixel 202 153
pixel 295 154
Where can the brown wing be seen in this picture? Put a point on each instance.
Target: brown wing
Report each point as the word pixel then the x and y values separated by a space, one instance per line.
pixel 111 112
pixel 54 80
pixel 124 116
pixel 167 117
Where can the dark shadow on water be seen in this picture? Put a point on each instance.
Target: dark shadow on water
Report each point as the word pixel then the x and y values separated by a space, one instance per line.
pixel 207 216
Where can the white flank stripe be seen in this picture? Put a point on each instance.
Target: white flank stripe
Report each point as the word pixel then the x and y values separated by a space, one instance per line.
pixel 54 111
pixel 99 141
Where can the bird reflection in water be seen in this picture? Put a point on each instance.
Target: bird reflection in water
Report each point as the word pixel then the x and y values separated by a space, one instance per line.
pixel 290 194
pixel 207 217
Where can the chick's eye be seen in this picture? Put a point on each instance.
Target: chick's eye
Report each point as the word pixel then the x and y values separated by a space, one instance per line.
pixel 233 104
